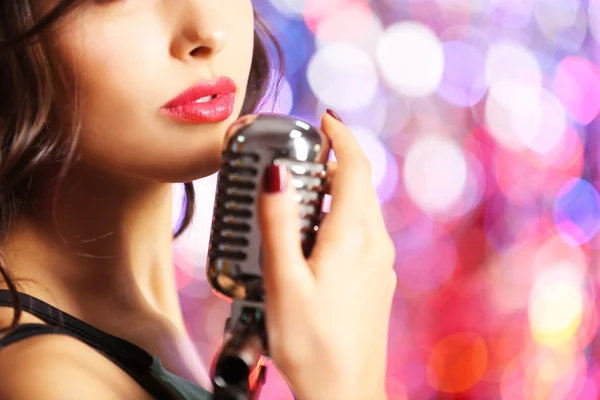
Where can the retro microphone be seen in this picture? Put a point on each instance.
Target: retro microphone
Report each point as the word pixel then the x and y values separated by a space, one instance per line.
pixel 234 258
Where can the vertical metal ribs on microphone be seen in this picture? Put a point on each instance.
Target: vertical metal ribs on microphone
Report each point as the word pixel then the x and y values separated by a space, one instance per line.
pixel 252 143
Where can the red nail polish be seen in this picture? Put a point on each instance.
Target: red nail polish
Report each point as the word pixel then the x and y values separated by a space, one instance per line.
pixel 334 114
pixel 275 179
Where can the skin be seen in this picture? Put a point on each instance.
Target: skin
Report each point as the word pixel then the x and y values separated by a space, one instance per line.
pixel 104 255
pixel 114 216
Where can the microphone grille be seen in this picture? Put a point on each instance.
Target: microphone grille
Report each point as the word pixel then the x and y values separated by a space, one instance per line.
pixel 252 143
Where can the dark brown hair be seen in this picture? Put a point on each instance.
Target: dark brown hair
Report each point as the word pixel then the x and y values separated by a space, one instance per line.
pixel 34 133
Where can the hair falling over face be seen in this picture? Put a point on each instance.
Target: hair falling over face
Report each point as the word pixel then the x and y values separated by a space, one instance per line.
pixel 35 133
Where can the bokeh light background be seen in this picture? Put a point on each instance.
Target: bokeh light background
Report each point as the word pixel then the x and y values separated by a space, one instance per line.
pixel 480 120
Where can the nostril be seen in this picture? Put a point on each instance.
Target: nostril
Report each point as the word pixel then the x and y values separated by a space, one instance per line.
pixel 201 51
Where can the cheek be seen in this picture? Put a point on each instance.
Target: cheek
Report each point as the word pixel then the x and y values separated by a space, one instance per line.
pixel 119 98
pixel 237 57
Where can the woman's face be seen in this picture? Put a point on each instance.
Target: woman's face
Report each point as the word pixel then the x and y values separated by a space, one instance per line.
pixel 130 60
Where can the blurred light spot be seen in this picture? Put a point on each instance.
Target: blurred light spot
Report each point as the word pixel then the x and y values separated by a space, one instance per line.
pixel 365 38
pixel 589 391
pixel 519 179
pixel 395 389
pixel 375 152
pixel 398 112
pixel 512 384
pixel 512 13
pixel 505 222
pixel 577 85
pixel 282 103
pixel 178 211
pixel 410 228
pixel 374 116
pixel 567 153
pixel 389 184
pixel 555 253
pixel 349 24
pixel 593 16
pixel 216 314
pixel 184 270
pixel 457 362
pixel 463 83
pixel 316 11
pixel 553 16
pixel 577 212
pixel 414 375
pixel 197 286
pixel 411 59
pixel 427 267
pixel 521 116
pixel 510 61
pixel 435 173
pixel 289 8
pixel 563 22
pixel 538 119
pixel 472 196
pixel 556 373
pixel 510 272
pixel 589 322
pixel 499 107
pixel 193 243
pixel 555 307
pixel 343 77
pixel 474 188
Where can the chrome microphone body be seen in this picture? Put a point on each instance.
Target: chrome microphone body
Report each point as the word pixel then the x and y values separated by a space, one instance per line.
pixel 234 268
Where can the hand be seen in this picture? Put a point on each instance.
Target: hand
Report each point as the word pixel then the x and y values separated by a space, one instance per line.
pixel 327 317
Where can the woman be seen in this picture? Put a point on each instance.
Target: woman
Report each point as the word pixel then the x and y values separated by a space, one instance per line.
pixel 97 121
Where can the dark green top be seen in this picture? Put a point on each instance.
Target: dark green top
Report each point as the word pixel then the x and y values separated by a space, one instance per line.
pixel 145 368
pixel 182 387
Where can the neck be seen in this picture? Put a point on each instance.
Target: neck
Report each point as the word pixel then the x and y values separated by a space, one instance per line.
pixel 102 251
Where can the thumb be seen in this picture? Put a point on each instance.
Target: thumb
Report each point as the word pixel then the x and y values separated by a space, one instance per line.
pixel 279 220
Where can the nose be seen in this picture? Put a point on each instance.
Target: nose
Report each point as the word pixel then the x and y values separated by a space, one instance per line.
pixel 200 30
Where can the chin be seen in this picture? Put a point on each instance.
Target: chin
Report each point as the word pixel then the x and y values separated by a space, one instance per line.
pixel 181 155
pixel 182 172
pixel 187 158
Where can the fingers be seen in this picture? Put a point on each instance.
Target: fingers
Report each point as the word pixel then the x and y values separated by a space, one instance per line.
pixel 354 221
pixel 349 180
pixel 354 169
pixel 279 219
pixel 331 173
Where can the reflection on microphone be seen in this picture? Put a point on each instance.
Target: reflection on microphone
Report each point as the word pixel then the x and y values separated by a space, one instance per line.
pixel 234 266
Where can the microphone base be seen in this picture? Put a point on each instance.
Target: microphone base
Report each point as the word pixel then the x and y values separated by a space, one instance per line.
pixel 228 393
pixel 238 371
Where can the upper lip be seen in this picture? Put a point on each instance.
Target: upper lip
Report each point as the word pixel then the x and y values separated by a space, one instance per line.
pixel 220 86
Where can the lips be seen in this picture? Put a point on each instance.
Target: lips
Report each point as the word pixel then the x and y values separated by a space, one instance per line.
pixel 207 101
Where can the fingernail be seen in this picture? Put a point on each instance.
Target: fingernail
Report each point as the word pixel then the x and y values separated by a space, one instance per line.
pixel 334 114
pixel 275 179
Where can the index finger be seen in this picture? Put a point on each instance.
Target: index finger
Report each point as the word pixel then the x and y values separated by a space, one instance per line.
pixel 350 190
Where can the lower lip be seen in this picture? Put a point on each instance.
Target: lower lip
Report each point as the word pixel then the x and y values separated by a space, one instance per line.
pixel 217 110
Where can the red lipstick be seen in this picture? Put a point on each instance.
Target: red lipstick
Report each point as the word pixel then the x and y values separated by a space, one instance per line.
pixel 203 103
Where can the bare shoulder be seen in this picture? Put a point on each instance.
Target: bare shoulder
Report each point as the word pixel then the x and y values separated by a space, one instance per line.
pixel 59 367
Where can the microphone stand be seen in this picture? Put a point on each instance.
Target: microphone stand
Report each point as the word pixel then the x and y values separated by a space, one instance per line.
pixel 238 372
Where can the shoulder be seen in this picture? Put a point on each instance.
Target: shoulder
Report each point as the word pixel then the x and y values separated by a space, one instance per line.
pixel 60 367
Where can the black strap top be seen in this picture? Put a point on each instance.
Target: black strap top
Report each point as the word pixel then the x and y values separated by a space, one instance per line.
pixel 135 361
